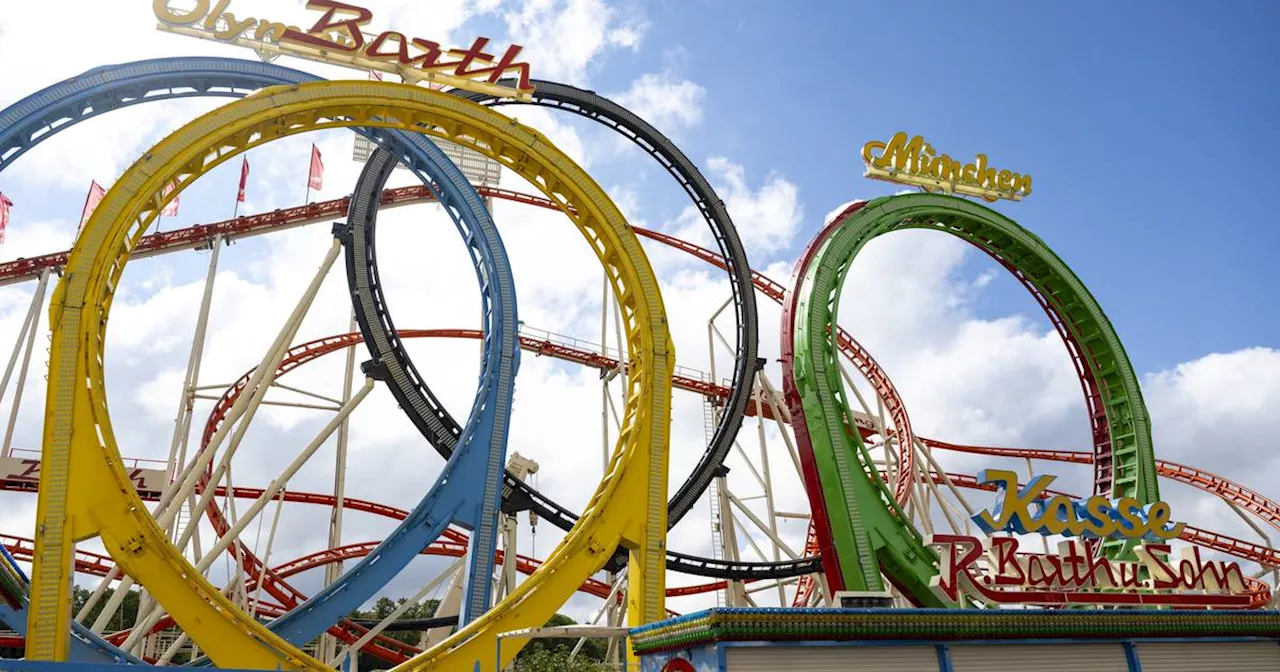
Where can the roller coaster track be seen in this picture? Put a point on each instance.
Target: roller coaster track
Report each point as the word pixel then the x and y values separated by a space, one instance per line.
pixel 1250 499
pixel 592 106
pixel 101 565
pixel 603 111
pixel 619 510
pixel 860 498
pixel 46 113
pixel 9 156
pixel 202 235
pixel 387 649
pixel 466 493
pixel 304 353
pixel 545 343
pixel 39 116
pixel 820 531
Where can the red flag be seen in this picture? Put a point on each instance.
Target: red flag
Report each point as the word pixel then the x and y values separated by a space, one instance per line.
pixel 5 204
pixel 170 210
pixel 96 192
pixel 244 177
pixel 315 179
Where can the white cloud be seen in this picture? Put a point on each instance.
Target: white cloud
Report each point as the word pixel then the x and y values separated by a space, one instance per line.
pixel 668 103
pixel 1220 405
pixel 766 218
pixel 564 38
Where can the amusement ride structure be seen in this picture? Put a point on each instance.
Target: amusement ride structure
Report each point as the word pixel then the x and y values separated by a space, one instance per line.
pixel 879 498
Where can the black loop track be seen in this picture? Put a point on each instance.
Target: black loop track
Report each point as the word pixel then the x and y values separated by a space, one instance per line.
pixel 517 495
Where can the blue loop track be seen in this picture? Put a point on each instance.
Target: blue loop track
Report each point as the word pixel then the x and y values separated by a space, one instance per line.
pixel 467 489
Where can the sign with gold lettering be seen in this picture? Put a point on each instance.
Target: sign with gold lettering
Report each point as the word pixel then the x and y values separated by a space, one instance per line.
pixel 23 473
pixel 337 38
pixel 914 162
pixel 994 572
pixel 1027 510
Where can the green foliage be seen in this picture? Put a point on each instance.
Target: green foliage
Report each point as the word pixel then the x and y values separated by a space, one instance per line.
pixel 124 616
pixel 539 655
pixel 556 660
pixel 383 608
pixel 592 649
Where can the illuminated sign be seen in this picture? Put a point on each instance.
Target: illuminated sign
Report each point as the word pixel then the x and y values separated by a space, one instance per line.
pixel 337 38
pixel 1027 510
pixel 994 572
pixel 913 161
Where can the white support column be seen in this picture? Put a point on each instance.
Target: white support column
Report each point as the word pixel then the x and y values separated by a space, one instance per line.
pixel 770 508
pixel 246 405
pixel 186 405
pixel 353 650
pixel 269 493
pixel 266 556
pixel 611 598
pixel 734 595
pixel 781 416
pixel 329 645
pixel 764 529
pixel 177 448
pixel 449 606
pixel 604 377
pixel 29 329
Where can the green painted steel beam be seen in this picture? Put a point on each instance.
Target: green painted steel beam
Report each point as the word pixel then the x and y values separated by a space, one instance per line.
pixel 868 529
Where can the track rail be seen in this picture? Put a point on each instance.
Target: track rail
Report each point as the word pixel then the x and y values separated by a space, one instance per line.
pixel 820 529
pixel 466 492
pixel 1252 501
pixel 39 117
pixel 119 222
pixel 601 110
pixel 193 237
pixel 845 479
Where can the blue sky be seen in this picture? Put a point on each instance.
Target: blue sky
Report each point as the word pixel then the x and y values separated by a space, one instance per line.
pixel 1147 126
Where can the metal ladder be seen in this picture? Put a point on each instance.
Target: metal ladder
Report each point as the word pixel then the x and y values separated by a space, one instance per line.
pixel 713 496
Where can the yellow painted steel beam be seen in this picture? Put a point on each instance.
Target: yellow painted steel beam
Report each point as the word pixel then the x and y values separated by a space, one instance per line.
pixel 85 490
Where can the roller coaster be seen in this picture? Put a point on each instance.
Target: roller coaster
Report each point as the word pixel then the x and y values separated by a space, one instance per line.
pixel 873 485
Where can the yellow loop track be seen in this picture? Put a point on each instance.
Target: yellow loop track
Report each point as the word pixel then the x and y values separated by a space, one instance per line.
pixel 85 491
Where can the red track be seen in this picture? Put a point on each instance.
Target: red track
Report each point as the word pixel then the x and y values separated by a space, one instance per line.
pixel 203 235
pixel 1253 500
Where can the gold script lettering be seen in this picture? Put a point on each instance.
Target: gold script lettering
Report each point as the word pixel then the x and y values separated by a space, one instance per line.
pixel 163 13
pixel 908 159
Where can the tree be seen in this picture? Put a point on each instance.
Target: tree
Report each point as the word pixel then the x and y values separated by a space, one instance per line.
pixel 124 616
pixel 383 608
pixel 592 649
pixel 538 655
pixel 556 660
